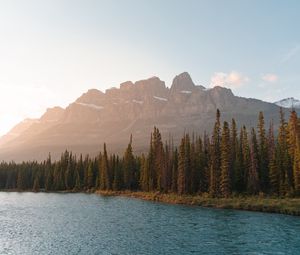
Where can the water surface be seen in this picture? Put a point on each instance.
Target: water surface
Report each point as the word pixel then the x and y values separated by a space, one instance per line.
pixel 90 224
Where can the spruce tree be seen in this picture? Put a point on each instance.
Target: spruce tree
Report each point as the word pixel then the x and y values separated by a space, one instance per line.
pixel 174 171
pixel 296 167
pixel 235 156
pixel 225 181
pixel 104 171
pixel 129 166
pixel 283 157
pixel 215 158
pixel 181 179
pixel 77 186
pixel 263 173
pixel 36 184
pixel 90 176
pixel 245 158
pixel 253 180
pixel 273 164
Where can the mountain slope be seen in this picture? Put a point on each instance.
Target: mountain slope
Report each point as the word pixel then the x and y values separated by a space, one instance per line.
pixel 289 102
pixel 134 108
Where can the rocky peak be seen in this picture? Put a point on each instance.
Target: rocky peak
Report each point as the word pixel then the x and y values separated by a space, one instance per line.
pixel 126 85
pixel 153 84
pixel 52 114
pixel 220 91
pixel 289 102
pixel 91 96
pixel 182 82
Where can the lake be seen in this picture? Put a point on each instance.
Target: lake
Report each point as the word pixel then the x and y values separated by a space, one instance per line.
pixel 45 223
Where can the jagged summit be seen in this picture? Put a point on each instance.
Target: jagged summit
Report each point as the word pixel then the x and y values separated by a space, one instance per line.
pixel 182 82
pixel 289 102
pixel 134 108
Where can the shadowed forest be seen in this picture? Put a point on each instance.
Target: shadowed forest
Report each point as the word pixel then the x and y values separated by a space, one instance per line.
pixel 222 163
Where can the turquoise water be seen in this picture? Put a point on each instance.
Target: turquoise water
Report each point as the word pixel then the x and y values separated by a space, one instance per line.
pixel 90 224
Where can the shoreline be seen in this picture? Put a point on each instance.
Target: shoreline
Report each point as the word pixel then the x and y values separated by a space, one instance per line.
pixel 288 206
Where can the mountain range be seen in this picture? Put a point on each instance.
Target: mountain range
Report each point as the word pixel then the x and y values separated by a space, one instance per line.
pixel 133 108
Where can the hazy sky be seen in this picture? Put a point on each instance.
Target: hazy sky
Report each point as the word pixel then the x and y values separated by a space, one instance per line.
pixel 53 51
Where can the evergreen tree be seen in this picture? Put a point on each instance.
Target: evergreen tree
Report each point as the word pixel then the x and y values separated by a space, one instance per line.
pixel 245 158
pixel 253 180
pixel 104 171
pixel 90 176
pixel 283 158
pixel 174 171
pixel 117 182
pixel 263 173
pixel 215 158
pixel 225 162
pixel 36 184
pixel 77 186
pixel 129 167
pixel 158 159
pixel 183 165
pixel 274 173
pixel 296 167
pixel 235 165
pixel 20 180
pixel 292 133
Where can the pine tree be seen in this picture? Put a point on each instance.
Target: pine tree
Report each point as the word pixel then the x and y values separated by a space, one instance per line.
pixel 20 180
pixel 201 165
pixel 225 181
pixel 144 177
pixel 193 180
pixel 204 182
pixel 235 164
pixel 215 158
pixel 174 171
pixel 129 167
pixel 292 133
pixel 245 158
pixel 36 184
pixel 77 186
pixel 253 180
pixel 183 165
pixel 274 173
pixel 104 171
pixel 263 173
pixel 296 167
pixel 158 159
pixel 117 182
pixel 90 176
pixel 283 158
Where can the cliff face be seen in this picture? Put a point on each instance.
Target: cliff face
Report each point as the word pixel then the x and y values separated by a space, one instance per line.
pixel 134 108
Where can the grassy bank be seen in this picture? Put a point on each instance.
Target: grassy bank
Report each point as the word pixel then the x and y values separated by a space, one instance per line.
pixel 289 206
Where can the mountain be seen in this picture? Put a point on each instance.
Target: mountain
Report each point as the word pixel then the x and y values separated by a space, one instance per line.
pixel 134 108
pixel 289 102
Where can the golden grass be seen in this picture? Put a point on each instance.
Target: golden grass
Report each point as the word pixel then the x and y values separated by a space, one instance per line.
pixel 289 206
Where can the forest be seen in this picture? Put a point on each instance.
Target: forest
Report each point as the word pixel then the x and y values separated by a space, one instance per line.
pixel 224 163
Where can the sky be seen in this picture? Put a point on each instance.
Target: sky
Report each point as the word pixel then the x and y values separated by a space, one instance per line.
pixel 52 51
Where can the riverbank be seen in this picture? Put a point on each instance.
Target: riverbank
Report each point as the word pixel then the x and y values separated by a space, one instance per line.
pixel 290 206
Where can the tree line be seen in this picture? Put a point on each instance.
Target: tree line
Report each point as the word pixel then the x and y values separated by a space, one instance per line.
pixel 225 163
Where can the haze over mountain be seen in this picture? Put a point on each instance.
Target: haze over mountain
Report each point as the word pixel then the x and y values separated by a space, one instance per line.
pixel 134 108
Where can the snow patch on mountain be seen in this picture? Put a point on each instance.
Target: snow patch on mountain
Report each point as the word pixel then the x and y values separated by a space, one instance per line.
pixel 160 98
pixel 97 107
pixel 289 103
pixel 137 101
pixel 186 91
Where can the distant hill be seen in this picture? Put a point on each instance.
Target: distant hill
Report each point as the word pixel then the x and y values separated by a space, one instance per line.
pixel 289 102
pixel 134 108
